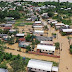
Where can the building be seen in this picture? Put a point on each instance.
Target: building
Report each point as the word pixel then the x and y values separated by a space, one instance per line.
pixel 7 28
pixel 46 42
pixel 1 35
pixel 67 31
pixel 46 48
pixel 8 25
pixel 40 66
pixel 3 70
pixel 12 30
pixel 23 44
pixel 58 25
pixel 38 32
pixel 20 35
pixel 21 39
pixel 42 38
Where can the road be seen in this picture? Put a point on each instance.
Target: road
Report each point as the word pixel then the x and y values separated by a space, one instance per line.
pixel 65 61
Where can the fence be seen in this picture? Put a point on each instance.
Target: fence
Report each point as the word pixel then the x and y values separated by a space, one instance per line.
pixel 44 54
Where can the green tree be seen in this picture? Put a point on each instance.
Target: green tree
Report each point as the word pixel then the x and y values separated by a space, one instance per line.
pixel 18 65
pixel 57 45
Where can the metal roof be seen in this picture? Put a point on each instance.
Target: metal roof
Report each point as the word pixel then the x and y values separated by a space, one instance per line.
pixel 3 70
pixel 37 21
pixel 67 30
pixel 42 38
pixel 39 64
pixel 19 34
pixel 60 24
pixel 46 47
pixel 39 31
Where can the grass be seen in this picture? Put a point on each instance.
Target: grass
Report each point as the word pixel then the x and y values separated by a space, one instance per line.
pixel 22 24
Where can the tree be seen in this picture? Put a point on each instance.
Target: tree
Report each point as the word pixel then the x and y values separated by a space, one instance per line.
pixel 50 14
pixel 28 48
pixel 57 45
pixel 28 37
pixel 18 65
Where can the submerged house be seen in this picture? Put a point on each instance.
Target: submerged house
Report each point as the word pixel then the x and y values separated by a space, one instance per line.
pixel 23 44
pixel 41 66
pixel 46 49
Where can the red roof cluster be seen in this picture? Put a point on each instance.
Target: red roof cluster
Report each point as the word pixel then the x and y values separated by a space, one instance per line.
pixel 21 39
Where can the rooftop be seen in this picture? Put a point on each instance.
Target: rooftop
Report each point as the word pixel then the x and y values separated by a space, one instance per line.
pixel 39 64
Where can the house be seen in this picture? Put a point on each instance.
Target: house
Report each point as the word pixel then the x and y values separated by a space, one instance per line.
pixel 12 30
pixel 54 22
pixel 42 38
pixel 21 39
pixel 38 32
pixel 8 25
pixel 2 25
pixel 11 22
pixel 46 42
pixel 34 17
pixel 45 15
pixel 23 44
pixel 40 66
pixel 58 25
pixel 3 70
pixel 68 31
pixel 6 37
pixel 7 28
pixel 46 49
pixel 1 35
pixel 38 22
pixel 28 19
pixel 20 35
pixel 9 18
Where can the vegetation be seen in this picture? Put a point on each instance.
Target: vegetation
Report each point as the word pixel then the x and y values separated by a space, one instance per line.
pixel 71 49
pixel 57 45
pixel 63 33
pixel 16 62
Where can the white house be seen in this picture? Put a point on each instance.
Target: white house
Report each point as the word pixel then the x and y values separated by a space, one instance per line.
pixel 38 32
pixel 46 48
pixel 47 42
pixel 67 30
pixel 38 22
pixel 20 35
pixel 40 66
pixel 58 25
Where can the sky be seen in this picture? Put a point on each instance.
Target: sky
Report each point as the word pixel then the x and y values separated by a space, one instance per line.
pixel 41 0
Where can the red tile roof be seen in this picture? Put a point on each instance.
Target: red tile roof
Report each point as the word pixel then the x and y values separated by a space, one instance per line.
pixel 21 39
